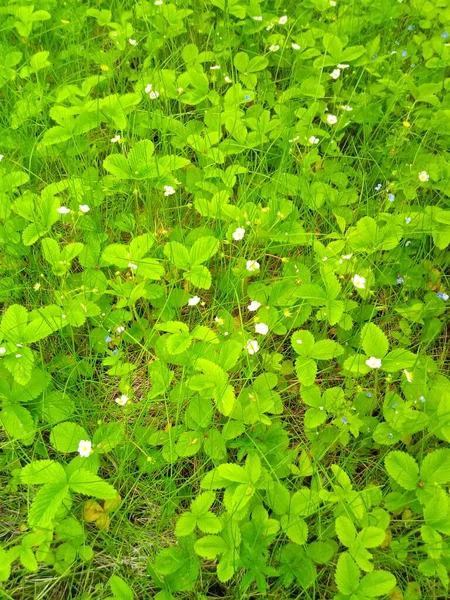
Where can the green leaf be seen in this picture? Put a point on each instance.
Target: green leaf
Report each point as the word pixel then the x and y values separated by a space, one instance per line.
pixel 17 421
pixel 295 528
pixel 347 574
pixel 46 504
pixel 203 249
pixel 199 276
pixel 116 164
pixel 345 531
pixel 374 341
pixel 210 546
pixel 178 342
pixel 120 589
pixel 85 482
pixel 306 369
pixel 13 323
pixel 325 350
pixel 403 469
pixel 370 537
pixel 43 471
pixel 65 437
pixel 377 583
pixel 435 468
pixel 178 254
pixel 185 524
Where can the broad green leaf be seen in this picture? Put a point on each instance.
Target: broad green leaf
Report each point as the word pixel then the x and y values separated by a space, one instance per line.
pixel 325 350
pixel 377 583
pixel 199 276
pixel 65 437
pixel 185 524
pixel 120 589
pixel 203 249
pixel 178 254
pixel 347 574
pixel 374 341
pixel 306 370
pixel 46 504
pixel 210 546
pixel 43 471
pixel 403 469
pixel 345 531
pixel 85 482
pixel 435 468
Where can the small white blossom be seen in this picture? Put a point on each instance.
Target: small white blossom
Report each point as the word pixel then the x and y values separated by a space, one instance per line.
pixel 18 356
pixel 373 363
pixel 169 190
pixel 259 18
pixel 313 140
pixel 332 3
pixel 1 157
pixel 343 66
pixel 132 265
pixel 158 2
pixel 294 139
pixel 2 350
pixel 227 79
pixel 347 257
pixel 252 346
pixel 254 305
pixel 120 329
pixel 215 68
pixel 219 320
pixel 115 139
pixel 122 400
pixel 63 210
pixel 84 448
pixel 261 328
pixel 335 74
pixel 193 301
pixel 331 119
pixel 153 95
pixel 84 208
pixel 283 20
pixel 359 282
pixel 238 234
pixel 252 265
pixel 347 107
pixel 295 46
pixel 148 88
pixel 423 176
pixel 274 48
pixel 132 42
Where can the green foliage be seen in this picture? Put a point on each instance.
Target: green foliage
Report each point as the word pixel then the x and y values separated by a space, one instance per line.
pixel 224 287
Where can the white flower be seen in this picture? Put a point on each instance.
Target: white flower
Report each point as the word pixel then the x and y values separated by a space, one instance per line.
pixel 261 328
pixel 227 79
pixel 1 157
pixel 252 265
pixel 115 139
pixel 122 400
pixel 180 90
pixel 169 190
pixel 18 356
pixel 346 256
pixel 259 18
pixel 63 210
pixel 423 176
pixel 283 20
pixel 84 448
pixel 373 363
pixel 219 320
pixel 193 301
pixel 343 66
pixel 313 140
pixel 132 42
pixel 252 346
pixel 408 376
pixel 254 305
pixel 132 265
pixel 274 48
pixel 359 282
pixel 294 139
pixel 153 95
pixel 347 107
pixel 120 329
pixel 158 2
pixel 332 3
pixel 332 119
pixel 2 350
pixel 84 208
pixel 238 234
pixel 215 68
pixel 335 74
pixel 148 88
pixel 295 46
